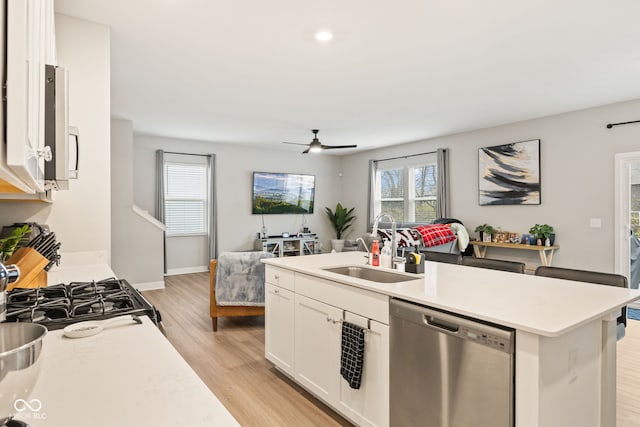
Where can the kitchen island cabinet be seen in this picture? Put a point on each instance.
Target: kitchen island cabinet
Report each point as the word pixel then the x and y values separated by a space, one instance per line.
pixel 565 331
pixel 320 308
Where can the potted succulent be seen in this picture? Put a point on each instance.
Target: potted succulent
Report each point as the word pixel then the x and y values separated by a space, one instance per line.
pixel 544 234
pixel 485 229
pixel 341 220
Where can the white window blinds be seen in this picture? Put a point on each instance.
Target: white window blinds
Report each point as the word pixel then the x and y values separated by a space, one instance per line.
pixel 185 195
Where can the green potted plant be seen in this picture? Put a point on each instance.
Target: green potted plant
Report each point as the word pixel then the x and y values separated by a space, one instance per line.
pixel 543 232
pixel 485 229
pixel 341 220
pixel 9 244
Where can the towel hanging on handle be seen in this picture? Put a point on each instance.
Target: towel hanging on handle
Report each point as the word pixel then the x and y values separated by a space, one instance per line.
pixel 352 358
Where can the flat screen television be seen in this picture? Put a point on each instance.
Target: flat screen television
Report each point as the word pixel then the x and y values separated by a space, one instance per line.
pixel 282 193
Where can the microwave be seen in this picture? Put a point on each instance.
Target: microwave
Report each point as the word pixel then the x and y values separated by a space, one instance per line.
pixel 61 141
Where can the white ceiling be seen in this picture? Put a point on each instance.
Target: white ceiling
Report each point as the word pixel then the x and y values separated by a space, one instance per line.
pixel 250 71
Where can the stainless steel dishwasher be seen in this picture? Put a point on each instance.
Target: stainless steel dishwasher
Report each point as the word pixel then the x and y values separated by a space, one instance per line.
pixel 449 371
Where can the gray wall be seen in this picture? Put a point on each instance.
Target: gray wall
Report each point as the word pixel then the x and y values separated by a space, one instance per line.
pixel 237 227
pixel 80 217
pixel 137 245
pixel 577 176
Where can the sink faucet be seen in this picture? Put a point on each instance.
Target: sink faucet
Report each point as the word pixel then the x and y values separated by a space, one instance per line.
pixel 394 240
pixel 360 239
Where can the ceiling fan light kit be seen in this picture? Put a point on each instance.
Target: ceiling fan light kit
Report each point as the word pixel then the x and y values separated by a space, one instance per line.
pixel 315 146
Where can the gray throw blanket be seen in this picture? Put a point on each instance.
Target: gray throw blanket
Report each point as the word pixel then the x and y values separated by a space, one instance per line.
pixel 240 278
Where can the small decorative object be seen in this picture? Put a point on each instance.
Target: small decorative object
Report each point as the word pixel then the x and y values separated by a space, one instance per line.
pixel 341 220
pixel 514 238
pixel 509 174
pixel 542 232
pixel 501 236
pixel 485 231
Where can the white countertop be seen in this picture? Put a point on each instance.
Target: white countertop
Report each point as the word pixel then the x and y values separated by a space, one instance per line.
pixel 78 273
pixel 128 375
pixel 540 305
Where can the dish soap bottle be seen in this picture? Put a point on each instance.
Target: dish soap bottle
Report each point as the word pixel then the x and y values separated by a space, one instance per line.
pixel 385 255
pixel 375 254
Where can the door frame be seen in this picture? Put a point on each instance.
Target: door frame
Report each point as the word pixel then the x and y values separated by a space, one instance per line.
pixel 622 224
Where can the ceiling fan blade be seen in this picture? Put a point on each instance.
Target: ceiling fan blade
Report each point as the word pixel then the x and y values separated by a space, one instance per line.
pixel 328 147
pixel 294 143
pixel 306 151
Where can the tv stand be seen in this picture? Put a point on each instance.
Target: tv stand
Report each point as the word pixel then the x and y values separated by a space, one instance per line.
pixel 307 244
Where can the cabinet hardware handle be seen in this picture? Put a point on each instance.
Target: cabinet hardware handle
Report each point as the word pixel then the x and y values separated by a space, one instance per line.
pixel 277 277
pixel 276 291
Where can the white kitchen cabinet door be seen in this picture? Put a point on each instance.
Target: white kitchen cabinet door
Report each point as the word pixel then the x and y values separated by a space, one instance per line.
pixel 30 46
pixel 369 405
pixel 279 327
pixel 317 348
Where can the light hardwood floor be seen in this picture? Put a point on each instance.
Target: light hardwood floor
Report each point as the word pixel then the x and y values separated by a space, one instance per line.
pixel 231 362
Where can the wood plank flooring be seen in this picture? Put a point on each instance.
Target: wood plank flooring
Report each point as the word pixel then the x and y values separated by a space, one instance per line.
pixel 231 362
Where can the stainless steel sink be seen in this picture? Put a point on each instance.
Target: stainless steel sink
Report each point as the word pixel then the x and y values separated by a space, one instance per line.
pixel 380 276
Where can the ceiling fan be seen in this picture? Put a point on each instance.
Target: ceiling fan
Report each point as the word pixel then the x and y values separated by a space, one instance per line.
pixel 316 146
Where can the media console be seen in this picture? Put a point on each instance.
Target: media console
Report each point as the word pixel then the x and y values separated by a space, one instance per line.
pixel 306 244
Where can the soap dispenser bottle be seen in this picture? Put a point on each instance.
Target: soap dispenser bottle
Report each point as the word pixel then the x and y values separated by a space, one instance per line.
pixel 385 254
pixel 375 254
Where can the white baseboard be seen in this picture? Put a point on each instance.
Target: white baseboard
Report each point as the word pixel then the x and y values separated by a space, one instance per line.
pixel 148 286
pixel 187 270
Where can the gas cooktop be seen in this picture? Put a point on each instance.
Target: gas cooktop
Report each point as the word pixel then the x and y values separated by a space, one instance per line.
pixel 60 305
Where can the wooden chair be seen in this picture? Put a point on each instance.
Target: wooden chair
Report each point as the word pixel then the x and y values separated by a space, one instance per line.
pixel 494 264
pixel 229 310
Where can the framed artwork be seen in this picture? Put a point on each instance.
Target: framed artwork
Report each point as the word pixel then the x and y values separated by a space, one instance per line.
pixel 509 174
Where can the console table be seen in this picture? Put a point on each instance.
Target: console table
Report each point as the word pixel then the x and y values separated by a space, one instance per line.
pixel 289 246
pixel 546 252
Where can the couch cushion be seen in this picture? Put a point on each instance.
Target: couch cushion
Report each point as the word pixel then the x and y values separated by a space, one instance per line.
pixel 407 237
pixel 435 234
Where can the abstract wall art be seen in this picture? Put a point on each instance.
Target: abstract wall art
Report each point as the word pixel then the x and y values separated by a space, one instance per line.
pixel 509 174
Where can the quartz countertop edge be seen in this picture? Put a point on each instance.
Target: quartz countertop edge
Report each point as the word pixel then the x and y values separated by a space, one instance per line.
pixel 538 305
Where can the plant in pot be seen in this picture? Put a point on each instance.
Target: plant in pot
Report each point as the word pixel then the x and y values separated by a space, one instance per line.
pixel 544 234
pixel 485 229
pixel 9 244
pixel 341 220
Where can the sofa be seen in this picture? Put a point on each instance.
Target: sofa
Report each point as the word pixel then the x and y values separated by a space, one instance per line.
pixel 447 235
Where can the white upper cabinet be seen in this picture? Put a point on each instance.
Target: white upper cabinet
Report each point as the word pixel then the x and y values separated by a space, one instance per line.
pixel 30 46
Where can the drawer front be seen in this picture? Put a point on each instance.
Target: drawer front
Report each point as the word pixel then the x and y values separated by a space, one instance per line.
pixel 369 304
pixel 279 277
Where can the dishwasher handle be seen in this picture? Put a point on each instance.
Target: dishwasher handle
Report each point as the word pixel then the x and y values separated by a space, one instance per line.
pixel 493 335
pixel 438 323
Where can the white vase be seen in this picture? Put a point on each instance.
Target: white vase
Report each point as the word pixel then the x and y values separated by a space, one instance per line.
pixel 337 244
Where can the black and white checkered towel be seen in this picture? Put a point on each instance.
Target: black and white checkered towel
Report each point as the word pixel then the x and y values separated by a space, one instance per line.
pixel 352 359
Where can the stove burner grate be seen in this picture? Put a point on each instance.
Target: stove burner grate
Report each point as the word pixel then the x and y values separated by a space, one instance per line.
pixel 60 305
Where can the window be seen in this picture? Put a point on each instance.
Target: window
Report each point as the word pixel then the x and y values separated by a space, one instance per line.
pixel 407 188
pixel 185 197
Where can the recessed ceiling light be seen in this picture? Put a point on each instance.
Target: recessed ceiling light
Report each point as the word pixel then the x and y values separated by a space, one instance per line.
pixel 323 36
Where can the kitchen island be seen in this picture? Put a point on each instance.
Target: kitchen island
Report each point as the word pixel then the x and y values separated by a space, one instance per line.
pixel 565 352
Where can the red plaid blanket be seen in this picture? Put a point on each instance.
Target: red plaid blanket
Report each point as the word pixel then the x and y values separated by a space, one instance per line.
pixel 435 234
